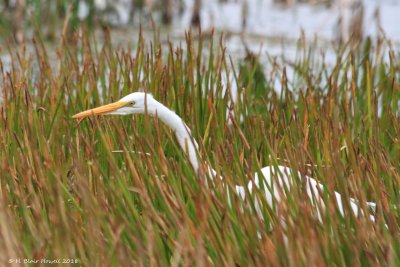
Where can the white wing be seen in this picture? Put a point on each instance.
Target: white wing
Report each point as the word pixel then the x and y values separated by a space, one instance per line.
pixel 278 181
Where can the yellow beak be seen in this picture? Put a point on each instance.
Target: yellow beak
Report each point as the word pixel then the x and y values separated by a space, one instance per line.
pixel 101 110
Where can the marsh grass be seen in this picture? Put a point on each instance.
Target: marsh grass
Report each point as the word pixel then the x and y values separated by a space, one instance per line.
pixel 66 194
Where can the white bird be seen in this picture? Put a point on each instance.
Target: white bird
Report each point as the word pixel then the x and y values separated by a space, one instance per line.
pixel 277 181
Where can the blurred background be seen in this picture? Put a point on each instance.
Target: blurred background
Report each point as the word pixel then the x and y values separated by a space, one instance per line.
pixel 271 30
pixel 267 21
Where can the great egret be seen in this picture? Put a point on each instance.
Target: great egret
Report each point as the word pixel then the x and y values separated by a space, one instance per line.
pixel 276 180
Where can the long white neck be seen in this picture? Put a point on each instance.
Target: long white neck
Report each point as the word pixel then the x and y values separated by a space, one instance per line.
pixel 182 133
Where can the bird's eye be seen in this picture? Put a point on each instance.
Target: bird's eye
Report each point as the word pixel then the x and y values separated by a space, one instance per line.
pixel 132 103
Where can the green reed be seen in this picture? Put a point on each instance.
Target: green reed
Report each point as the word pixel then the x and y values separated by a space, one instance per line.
pixel 66 194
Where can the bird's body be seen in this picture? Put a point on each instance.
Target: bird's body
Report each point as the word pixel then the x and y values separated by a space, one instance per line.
pixel 276 181
pixel 279 180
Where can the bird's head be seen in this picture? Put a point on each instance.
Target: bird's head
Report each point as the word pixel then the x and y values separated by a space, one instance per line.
pixel 135 103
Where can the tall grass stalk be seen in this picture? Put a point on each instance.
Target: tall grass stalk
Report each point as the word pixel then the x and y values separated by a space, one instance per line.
pixel 66 195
